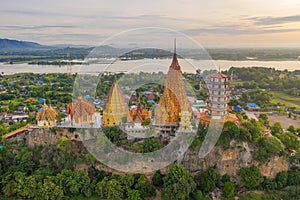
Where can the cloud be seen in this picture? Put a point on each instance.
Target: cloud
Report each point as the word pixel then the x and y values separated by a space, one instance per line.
pixel 274 20
pixel 233 30
pixel 38 27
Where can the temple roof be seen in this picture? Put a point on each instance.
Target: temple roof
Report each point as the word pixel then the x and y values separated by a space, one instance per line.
pixel 219 75
pixel 46 114
pixel 81 107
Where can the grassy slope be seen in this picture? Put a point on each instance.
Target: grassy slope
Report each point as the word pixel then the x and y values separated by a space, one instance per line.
pixel 288 100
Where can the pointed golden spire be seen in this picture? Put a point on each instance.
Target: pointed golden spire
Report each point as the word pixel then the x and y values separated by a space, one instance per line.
pixel 175 65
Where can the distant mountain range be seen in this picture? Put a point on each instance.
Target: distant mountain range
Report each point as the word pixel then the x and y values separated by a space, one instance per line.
pixel 16 45
pixel 59 51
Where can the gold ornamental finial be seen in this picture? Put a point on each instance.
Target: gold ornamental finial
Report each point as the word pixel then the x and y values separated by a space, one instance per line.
pixel 174 45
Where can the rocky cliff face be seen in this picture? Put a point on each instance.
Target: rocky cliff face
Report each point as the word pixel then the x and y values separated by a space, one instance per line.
pixel 226 161
pixel 231 160
pixel 46 137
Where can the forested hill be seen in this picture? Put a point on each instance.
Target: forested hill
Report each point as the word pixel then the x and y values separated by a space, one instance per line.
pixel 14 45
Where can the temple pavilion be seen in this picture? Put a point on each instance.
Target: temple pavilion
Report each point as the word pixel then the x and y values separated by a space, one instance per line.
pixel 46 117
pixel 116 108
pixel 134 126
pixel 169 109
pixel 81 112
pixel 138 114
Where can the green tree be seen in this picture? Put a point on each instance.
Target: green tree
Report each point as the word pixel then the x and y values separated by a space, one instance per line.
pixel 146 189
pixel 133 195
pixel 24 160
pixel 263 118
pixel 198 195
pixel 49 190
pixel 157 179
pixel 146 122
pixel 229 190
pixel 26 186
pixel 112 133
pixel 294 176
pixel 127 181
pixel 254 128
pixel 225 178
pixel 209 180
pixel 78 182
pixel 282 179
pixel 291 129
pixel 276 128
pixel 111 189
pixel 179 183
pixel 289 140
pixel 251 177
pixel 114 190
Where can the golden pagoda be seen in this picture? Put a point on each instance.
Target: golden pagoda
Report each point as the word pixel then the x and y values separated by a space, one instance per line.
pixel 168 110
pixel 81 112
pixel 46 117
pixel 116 108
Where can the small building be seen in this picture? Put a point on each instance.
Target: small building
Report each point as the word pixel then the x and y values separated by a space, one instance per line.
pixel 41 100
pixel 253 107
pixel 21 109
pixel 292 152
pixel 267 133
pixel 18 118
pixel 290 108
pixel 237 108
pixel 150 97
pixel 199 103
pixel 29 99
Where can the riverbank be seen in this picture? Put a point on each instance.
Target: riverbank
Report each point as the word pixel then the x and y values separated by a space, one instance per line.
pixel 146 65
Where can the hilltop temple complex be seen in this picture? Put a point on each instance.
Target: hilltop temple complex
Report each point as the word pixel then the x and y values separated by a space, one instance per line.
pixel 172 113
pixel 168 113
pixel 116 108
pixel 46 117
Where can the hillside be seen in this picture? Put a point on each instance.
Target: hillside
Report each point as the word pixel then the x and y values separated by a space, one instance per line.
pixel 17 45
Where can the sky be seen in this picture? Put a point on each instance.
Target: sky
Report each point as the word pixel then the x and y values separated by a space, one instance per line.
pixel 226 23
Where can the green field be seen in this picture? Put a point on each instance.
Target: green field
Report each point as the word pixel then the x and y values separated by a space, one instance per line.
pixel 283 98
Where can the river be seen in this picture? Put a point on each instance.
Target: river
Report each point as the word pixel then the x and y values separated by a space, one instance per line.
pixel 146 65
